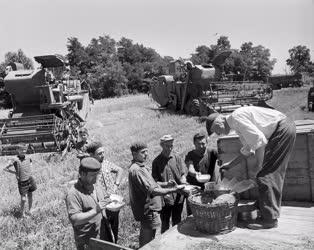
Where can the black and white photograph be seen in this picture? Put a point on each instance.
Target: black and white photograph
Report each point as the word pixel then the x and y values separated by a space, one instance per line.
pixel 156 124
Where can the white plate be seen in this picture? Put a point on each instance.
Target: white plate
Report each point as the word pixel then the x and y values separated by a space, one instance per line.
pixel 116 197
pixel 203 178
pixel 115 206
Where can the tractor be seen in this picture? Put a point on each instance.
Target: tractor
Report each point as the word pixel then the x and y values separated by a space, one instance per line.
pixel 199 90
pixel 47 110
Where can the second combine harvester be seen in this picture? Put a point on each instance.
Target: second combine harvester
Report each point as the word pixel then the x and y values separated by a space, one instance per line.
pixel 202 89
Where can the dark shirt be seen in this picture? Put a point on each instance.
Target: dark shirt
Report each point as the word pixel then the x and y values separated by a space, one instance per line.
pixel 141 185
pixel 204 163
pixel 80 200
pixel 169 168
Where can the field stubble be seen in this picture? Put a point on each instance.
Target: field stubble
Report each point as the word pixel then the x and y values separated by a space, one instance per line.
pixel 117 123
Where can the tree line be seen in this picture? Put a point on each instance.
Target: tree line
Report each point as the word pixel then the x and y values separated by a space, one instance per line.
pixel 114 68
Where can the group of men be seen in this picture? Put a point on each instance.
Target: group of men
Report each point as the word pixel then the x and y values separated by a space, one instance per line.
pixel 156 196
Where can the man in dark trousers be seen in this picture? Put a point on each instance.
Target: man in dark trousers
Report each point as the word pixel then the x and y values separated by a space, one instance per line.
pixel 145 194
pixel 86 205
pixel 270 136
pixel 168 167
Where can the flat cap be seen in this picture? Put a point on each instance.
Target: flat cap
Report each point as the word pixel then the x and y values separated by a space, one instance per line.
pixel 166 138
pixel 90 164
pixel 210 120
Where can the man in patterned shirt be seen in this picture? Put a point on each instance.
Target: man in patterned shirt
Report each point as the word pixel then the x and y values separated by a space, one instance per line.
pixel 109 178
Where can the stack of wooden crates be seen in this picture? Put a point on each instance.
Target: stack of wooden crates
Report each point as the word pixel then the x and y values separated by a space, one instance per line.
pixel 299 180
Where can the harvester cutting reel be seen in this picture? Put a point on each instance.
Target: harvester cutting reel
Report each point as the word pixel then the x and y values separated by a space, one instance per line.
pixel 40 133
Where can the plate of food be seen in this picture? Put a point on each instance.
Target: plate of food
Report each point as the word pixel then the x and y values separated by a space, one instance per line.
pixel 116 197
pixel 202 178
pixel 115 206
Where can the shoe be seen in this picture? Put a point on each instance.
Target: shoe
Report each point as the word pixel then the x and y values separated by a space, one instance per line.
pixel 263 224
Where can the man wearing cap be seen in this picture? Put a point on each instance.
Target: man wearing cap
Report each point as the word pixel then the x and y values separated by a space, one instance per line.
pixel 270 136
pixel 167 167
pixel 200 160
pixel 145 194
pixel 85 204
pixel 109 178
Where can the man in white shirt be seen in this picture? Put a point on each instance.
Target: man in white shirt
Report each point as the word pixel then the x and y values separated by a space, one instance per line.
pixel 270 135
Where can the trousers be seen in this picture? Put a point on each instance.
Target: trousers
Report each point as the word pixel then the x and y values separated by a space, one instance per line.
pixel 271 177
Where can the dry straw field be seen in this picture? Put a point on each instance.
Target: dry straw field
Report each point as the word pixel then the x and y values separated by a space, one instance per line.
pixel 117 123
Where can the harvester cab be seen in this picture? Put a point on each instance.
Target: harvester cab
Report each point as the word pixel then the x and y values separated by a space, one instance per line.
pixel 47 110
pixel 203 89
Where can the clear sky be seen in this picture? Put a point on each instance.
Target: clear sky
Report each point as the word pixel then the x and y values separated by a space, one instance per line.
pixel 171 27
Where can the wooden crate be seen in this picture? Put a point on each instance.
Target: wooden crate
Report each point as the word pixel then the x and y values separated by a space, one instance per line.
pixel 299 180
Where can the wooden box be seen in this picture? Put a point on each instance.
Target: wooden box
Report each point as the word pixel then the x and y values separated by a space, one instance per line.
pixel 299 180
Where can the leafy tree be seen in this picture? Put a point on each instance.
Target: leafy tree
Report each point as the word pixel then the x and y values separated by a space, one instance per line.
pixel 300 59
pixel 202 55
pixel 78 57
pixel 18 57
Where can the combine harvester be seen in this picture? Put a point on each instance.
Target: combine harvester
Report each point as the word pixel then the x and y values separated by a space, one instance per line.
pixel 201 89
pixel 46 112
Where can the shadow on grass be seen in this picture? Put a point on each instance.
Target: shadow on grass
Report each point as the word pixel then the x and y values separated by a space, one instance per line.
pixel 12 211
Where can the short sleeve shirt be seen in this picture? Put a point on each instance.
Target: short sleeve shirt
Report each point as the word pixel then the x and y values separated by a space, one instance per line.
pixel 107 175
pixel 254 125
pixel 80 200
pixel 141 185
pixel 202 163
pixel 169 168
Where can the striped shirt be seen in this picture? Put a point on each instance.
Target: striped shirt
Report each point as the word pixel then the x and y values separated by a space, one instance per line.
pixel 23 169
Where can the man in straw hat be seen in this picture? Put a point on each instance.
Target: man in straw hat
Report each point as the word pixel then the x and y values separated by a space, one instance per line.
pixel 145 194
pixel 270 136
pixel 168 169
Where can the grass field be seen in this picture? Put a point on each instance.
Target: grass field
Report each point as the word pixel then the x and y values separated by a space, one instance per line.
pixel 117 123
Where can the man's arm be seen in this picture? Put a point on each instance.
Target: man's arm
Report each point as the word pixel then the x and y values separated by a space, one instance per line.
pixel 159 191
pixel 191 169
pixel 82 218
pixel 74 208
pixel 259 154
pixel 9 170
pixel 119 175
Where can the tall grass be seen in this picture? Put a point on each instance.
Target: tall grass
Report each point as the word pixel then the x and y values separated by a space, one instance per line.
pixel 117 122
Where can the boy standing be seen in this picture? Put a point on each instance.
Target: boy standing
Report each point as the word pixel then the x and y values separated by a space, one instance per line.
pixel 26 183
